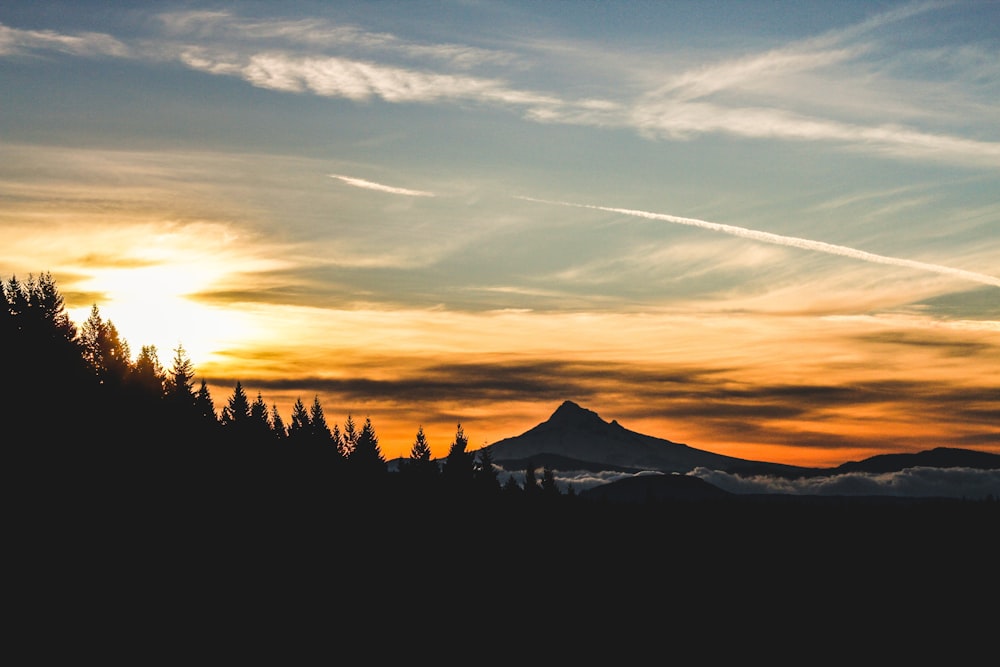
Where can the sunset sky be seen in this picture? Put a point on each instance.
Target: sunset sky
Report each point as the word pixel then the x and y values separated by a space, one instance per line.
pixel 765 229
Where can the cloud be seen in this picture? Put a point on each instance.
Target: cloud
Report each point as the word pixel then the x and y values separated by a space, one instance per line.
pixel 790 241
pixel 917 482
pixel 914 482
pixel 369 185
pixel 15 41
pixel 760 95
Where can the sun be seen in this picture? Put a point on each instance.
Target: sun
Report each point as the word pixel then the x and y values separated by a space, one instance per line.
pixel 154 293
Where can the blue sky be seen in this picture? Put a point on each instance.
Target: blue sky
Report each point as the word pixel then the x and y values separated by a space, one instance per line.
pixel 766 229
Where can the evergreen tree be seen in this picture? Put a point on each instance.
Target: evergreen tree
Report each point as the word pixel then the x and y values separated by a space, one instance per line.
pixel 298 429
pixel 530 480
pixel 420 452
pixel 459 465
pixel 510 486
pixel 148 376
pixel 319 431
pixel 179 385
pixel 205 406
pixel 338 442
pixel 236 415
pixel 485 474
pixel 260 422
pixel 366 458
pixel 104 350
pixel 350 435
pixel 278 424
pixel 549 486
pixel 419 470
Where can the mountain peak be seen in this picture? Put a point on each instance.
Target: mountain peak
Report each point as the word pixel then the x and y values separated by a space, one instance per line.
pixel 571 413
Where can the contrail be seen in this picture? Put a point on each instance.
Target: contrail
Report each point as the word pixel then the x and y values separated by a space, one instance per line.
pixel 371 185
pixel 791 241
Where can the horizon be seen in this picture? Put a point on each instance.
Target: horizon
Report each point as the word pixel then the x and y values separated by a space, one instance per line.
pixel 763 230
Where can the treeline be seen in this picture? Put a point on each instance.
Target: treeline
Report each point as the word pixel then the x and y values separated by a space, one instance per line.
pixel 81 410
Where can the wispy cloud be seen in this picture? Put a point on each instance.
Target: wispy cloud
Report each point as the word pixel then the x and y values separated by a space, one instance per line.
pixel 911 482
pixel 758 95
pixel 370 185
pixel 14 41
pixel 791 241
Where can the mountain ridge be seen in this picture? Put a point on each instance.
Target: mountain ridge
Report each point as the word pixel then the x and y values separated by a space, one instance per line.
pixel 578 436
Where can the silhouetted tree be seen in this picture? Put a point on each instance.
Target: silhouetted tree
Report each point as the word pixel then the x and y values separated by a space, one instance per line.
pixel 298 428
pixel 106 353
pixel 459 465
pixel 549 486
pixel 319 430
pixel 235 417
pixel 42 359
pixel 366 460
pixel 485 474
pixel 260 430
pixel 350 436
pixel 419 466
pixel 510 486
pixel 530 481
pixel 278 425
pixel 205 406
pixel 148 376
pixel 179 385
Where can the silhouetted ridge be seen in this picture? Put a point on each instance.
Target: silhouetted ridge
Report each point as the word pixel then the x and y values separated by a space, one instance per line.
pixel 571 415
pixel 939 457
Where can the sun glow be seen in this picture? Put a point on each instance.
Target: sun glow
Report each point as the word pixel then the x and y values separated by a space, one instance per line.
pixel 152 306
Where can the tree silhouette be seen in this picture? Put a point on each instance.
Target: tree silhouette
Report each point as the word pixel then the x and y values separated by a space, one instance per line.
pixel 278 425
pixel 205 406
pixel 485 475
pixel 298 428
pixel 350 435
pixel 319 430
pixel 366 460
pixel 548 485
pixel 180 381
pixel 105 352
pixel 148 376
pixel 419 468
pixel 459 465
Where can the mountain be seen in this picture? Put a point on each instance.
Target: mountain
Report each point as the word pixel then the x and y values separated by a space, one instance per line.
pixel 576 434
pixel 939 457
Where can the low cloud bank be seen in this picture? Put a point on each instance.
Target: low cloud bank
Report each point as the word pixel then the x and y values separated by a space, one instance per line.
pixel 917 482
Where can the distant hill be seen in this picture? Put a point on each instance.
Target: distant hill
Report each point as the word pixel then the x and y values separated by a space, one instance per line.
pixel 939 457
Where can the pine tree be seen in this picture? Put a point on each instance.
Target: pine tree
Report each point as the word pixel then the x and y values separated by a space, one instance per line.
pixel 147 374
pixel 485 475
pixel 459 465
pixel 104 350
pixel 205 406
pixel 530 480
pixel 350 435
pixel 260 422
pixel 419 470
pixel 180 381
pixel 319 431
pixel 298 429
pixel 278 424
pixel 236 414
pixel 420 452
pixel 549 486
pixel 366 458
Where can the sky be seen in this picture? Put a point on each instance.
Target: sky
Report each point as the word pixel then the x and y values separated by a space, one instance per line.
pixel 769 230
